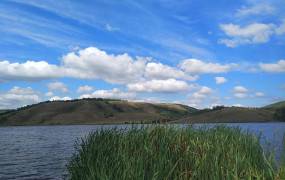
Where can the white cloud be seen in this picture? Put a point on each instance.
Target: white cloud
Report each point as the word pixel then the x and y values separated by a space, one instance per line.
pixel 196 66
pixel 113 93
pixel 251 34
pixel 259 94
pixel 257 9
pixel 220 80
pixel 57 98
pixel 29 70
pixel 89 63
pixel 238 105
pixel 240 91
pixel 254 33
pixel 49 94
pixel 17 97
pixel 161 71
pixel 280 29
pixel 278 67
pixel 92 63
pixel 110 28
pixel 57 86
pixel 240 95
pixel 83 89
pixel 199 96
pixel 202 93
pixel 169 85
pixel 18 90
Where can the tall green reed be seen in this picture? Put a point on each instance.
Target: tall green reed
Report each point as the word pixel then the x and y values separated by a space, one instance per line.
pixel 165 152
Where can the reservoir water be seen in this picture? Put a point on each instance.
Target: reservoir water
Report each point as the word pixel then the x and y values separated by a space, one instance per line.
pixel 42 152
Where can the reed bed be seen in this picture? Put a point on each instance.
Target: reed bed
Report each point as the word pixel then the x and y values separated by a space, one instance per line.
pixel 165 152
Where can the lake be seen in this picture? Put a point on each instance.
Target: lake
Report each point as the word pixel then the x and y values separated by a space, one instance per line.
pixel 42 152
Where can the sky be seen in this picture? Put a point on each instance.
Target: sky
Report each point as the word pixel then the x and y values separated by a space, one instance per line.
pixel 198 53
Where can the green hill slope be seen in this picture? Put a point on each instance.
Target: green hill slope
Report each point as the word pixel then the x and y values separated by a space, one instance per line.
pixel 280 104
pixel 231 114
pixel 94 111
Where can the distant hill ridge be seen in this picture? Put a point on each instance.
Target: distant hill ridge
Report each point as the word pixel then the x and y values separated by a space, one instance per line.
pixel 270 113
pixel 280 104
pixel 94 111
pixel 113 111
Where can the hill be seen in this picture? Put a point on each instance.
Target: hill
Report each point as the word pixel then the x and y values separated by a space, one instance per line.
pixel 111 111
pixel 4 111
pixel 231 114
pixel 94 111
pixel 277 105
pixel 279 109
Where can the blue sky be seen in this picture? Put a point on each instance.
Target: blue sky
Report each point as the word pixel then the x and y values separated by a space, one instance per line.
pixel 199 53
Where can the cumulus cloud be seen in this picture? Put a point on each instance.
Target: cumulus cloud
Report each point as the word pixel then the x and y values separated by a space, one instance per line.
pixel 199 96
pixel 251 34
pixel 202 93
pixel 280 29
pixel 110 28
pixel 196 66
pixel 238 105
pixel 49 94
pixel 256 9
pixel 278 67
pixel 259 94
pixel 30 70
pixel 57 86
pixel 93 63
pixel 17 97
pixel 84 89
pixel 255 33
pixel 220 80
pixel 161 71
pixel 18 90
pixel 89 63
pixel 169 85
pixel 240 91
pixel 113 93
pixel 57 98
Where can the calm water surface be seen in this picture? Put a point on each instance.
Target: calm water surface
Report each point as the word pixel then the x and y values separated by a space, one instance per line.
pixel 42 152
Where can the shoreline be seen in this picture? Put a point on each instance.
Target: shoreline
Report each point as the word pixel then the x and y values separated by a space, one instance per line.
pixel 170 123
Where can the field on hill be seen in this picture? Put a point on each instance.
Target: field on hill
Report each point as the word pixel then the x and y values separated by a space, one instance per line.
pixel 231 114
pixel 94 111
pixel 112 111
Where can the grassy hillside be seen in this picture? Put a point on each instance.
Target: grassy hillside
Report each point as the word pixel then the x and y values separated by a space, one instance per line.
pixel 3 111
pixel 110 111
pixel 277 105
pixel 279 109
pixel 231 114
pixel 94 111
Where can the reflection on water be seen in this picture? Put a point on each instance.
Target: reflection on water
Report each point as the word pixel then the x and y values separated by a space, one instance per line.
pixel 42 152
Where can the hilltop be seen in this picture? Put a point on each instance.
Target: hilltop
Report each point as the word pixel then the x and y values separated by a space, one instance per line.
pixel 221 114
pixel 277 105
pixel 231 114
pixel 112 111
pixel 94 111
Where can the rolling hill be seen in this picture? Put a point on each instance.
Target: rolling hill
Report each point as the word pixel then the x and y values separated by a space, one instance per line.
pixel 111 111
pixel 94 111
pixel 231 114
pixel 269 113
pixel 277 105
